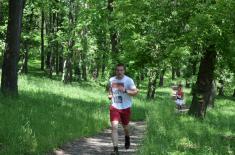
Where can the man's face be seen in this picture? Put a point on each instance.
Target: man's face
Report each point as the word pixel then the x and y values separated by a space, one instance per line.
pixel 120 71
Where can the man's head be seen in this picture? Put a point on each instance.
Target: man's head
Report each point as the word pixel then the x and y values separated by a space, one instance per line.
pixel 180 87
pixel 120 70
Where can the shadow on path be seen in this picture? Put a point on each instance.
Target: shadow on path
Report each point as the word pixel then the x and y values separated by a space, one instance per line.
pixel 101 144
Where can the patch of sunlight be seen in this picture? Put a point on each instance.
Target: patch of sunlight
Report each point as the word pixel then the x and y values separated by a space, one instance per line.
pixel 177 153
pixel 230 151
pixel 228 133
pixel 187 144
pixel 162 130
pixel 185 119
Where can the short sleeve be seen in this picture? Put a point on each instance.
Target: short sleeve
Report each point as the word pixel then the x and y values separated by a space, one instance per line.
pixel 131 84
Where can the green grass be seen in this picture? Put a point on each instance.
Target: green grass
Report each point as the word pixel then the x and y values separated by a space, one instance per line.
pixel 48 113
pixel 178 134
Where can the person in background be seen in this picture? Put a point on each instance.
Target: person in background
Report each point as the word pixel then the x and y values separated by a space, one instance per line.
pixel 179 97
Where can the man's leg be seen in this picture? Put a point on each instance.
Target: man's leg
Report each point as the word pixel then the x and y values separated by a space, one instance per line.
pixel 127 136
pixel 125 118
pixel 114 119
pixel 115 133
pixel 126 129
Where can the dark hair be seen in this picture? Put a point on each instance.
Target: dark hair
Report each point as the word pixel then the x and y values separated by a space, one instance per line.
pixel 120 65
pixel 180 85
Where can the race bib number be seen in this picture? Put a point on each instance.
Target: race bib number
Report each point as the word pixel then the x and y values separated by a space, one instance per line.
pixel 118 99
pixel 117 94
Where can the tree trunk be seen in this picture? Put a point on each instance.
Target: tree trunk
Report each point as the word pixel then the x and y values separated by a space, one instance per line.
pixel 202 90
pixel 11 55
pixel 194 67
pixel 61 60
pixel 48 57
pixel 178 73
pixel 152 85
pixel 84 71
pixel 67 71
pixel 187 83
pixel 42 40
pixel 84 53
pixel 212 95
pixel 103 70
pixel 51 66
pixel 173 73
pixel 161 81
pixel 26 43
pixel 221 88
pixel 78 71
pixel 149 88
pixel 25 58
pixel 113 34
pixel 234 93
pixel 57 59
pixel 1 13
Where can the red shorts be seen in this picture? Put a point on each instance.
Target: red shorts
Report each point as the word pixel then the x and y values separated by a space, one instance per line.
pixel 122 115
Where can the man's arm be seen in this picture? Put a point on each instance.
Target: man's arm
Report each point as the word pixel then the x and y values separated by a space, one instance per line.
pixel 132 92
pixel 109 90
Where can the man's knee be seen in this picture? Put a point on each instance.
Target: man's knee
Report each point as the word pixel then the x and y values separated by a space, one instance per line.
pixel 125 127
pixel 114 125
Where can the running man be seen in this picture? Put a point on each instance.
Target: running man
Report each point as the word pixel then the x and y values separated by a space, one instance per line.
pixel 121 90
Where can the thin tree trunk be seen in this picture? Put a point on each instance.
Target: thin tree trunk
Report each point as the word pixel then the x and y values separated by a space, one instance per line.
pixel 84 71
pixel 103 70
pixel 67 71
pixel 178 73
pixel 51 62
pixel 42 40
pixel 78 71
pixel 149 88
pixel 161 81
pixel 1 13
pixel 25 59
pixel 84 54
pixel 24 68
pixel 57 59
pixel 187 83
pixel 173 73
pixel 61 60
pixel 201 93
pixel 48 57
pixel 113 34
pixel 152 85
pixel 11 55
pixel 212 95
pixel 138 80
pixel 221 88
pixel 194 67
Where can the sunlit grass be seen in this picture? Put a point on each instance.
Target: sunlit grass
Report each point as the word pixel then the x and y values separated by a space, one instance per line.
pixel 171 133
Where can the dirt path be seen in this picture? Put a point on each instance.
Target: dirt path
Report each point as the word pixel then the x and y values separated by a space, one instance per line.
pixel 101 143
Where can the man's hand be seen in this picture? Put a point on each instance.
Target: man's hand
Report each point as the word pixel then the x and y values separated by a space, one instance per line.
pixel 122 89
pixel 132 92
pixel 110 96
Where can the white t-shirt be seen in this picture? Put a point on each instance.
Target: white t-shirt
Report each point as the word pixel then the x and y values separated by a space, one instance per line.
pixel 121 100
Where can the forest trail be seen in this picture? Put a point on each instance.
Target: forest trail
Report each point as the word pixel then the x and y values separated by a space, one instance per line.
pixel 101 144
